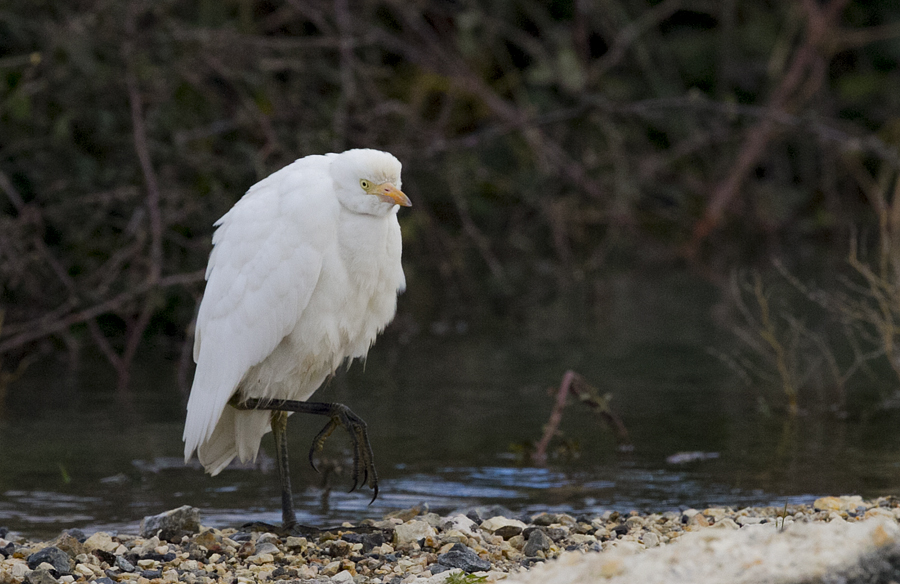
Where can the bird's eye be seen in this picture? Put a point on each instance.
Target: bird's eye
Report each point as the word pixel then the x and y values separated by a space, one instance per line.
pixel 364 184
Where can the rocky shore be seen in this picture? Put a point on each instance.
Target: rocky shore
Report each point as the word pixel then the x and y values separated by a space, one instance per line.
pixel 484 544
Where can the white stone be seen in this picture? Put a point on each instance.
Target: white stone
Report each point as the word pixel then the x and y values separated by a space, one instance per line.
pixel 100 541
pixel 344 577
pixel 758 553
pixel 650 539
pixel 746 520
pixel 459 523
pixel 495 523
pixel 412 530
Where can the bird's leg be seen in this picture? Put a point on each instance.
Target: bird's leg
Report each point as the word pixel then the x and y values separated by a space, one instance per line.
pixel 363 459
pixel 279 431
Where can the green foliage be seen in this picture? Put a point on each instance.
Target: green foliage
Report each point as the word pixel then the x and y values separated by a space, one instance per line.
pixel 463 578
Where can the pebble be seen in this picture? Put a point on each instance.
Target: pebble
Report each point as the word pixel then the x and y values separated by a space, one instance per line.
pixel 408 547
pixel 537 542
pixel 51 555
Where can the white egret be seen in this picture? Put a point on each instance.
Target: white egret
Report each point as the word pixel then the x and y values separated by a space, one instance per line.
pixel 304 274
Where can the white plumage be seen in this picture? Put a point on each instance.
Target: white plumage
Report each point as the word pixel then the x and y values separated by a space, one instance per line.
pixel 304 273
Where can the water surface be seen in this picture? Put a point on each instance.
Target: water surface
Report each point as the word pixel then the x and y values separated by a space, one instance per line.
pixel 449 410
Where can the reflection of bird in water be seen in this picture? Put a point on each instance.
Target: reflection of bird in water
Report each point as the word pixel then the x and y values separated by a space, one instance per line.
pixel 304 273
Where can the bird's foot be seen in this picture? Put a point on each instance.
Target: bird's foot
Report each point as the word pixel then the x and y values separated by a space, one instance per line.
pixel 364 472
pixel 363 460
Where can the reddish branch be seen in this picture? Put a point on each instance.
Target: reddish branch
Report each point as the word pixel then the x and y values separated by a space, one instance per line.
pixel 41 327
pixel 574 384
pixel 803 78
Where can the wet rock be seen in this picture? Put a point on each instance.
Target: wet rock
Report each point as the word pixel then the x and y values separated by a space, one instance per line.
pixel 172 525
pixel 537 542
pixel 53 556
pixel 464 558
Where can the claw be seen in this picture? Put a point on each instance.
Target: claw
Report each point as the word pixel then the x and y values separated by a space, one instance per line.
pixel 319 441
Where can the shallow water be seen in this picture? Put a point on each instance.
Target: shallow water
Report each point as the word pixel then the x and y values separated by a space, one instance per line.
pixel 447 413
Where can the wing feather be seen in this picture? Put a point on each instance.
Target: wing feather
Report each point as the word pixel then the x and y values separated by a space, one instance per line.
pixel 266 259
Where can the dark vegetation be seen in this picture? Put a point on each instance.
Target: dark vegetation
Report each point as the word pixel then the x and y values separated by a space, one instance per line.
pixel 542 142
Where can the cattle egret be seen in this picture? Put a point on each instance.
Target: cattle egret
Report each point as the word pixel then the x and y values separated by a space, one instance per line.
pixel 303 275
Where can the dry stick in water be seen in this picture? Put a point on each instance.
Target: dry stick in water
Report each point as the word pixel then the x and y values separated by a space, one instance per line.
pixel 573 383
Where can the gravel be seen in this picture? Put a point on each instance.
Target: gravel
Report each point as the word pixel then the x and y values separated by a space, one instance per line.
pixel 404 548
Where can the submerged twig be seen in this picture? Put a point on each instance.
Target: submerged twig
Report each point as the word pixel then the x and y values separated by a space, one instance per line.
pixel 573 383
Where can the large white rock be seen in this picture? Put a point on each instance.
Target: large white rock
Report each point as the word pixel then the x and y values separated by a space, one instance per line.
pixel 810 552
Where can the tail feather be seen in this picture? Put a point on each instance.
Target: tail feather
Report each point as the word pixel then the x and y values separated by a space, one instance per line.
pixel 237 433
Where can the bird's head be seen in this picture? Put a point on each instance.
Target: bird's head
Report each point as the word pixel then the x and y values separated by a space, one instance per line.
pixel 368 181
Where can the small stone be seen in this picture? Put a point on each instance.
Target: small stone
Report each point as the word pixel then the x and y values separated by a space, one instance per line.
pixel 458 523
pixel 650 539
pixel 339 548
pixel 505 528
pixel 743 520
pixel 296 543
pixel 837 503
pixel 698 521
pixel 479 514
pixel 331 569
pixel 53 556
pixel 407 514
pixel 172 525
pixel 544 519
pixel 726 523
pixel 344 577
pixel 463 558
pixel 879 512
pixel 69 544
pixel 411 531
pixel 260 559
pixel 100 541
pixel 41 576
pixel 537 542
pixel 266 547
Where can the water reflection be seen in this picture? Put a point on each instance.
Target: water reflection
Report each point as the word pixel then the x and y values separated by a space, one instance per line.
pixel 445 415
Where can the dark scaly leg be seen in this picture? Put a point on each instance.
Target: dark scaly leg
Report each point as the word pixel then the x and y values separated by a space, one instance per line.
pixel 363 460
pixel 279 431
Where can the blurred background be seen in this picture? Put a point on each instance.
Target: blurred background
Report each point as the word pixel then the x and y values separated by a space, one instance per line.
pixel 694 204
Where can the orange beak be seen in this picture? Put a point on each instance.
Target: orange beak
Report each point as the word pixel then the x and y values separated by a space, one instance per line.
pixel 391 194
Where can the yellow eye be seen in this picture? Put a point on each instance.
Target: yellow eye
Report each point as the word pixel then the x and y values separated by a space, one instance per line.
pixel 365 184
